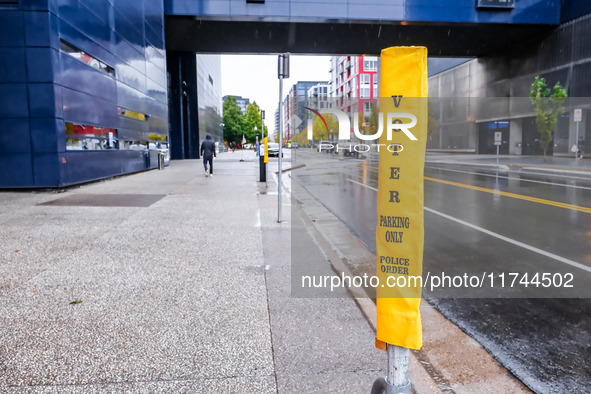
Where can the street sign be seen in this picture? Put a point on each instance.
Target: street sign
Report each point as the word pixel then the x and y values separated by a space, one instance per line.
pixel 498 138
pixel 578 115
pixel 283 66
pixel 296 121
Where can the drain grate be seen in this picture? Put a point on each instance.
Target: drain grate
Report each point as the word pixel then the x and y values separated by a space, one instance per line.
pixel 106 200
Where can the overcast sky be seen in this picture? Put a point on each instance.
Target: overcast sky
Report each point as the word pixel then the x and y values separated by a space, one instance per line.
pixel 255 77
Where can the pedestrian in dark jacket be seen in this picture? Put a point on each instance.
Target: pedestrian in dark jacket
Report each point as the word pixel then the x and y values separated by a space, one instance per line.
pixel 208 153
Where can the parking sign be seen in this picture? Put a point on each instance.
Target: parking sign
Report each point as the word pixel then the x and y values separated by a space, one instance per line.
pixel 498 138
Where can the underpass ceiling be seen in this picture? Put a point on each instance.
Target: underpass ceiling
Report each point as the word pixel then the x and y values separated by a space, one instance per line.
pixel 187 33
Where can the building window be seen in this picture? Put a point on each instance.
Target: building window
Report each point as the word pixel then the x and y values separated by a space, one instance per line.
pixel 367 108
pixel 85 137
pixel 86 58
pixel 128 113
pixel 370 64
pixel 495 3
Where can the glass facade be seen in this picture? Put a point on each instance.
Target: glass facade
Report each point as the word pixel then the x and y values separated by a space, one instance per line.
pixel 209 97
pixel 557 57
pixel 82 90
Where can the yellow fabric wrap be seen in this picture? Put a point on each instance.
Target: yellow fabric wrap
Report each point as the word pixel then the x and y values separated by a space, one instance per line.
pixel 266 157
pixel 399 232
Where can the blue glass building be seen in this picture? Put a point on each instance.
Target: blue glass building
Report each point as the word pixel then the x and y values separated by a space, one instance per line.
pixel 82 90
pixel 96 88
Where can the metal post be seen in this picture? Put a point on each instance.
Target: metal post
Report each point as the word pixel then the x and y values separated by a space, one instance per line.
pixel 262 126
pixel 280 151
pixel 577 141
pixel 397 381
pixel 497 155
pixel 283 72
pixel 398 368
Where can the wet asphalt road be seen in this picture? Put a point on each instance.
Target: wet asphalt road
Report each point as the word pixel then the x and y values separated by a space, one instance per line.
pixel 524 228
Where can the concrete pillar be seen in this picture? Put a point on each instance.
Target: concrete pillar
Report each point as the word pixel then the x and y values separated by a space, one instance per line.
pixel 183 114
pixel 515 137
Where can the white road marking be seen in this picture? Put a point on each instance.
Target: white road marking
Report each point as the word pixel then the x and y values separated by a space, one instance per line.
pixel 517 179
pixel 499 236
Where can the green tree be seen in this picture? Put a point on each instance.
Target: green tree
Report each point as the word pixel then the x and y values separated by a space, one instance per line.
pixel 548 107
pixel 319 131
pixel 233 120
pixel 374 119
pixel 302 137
pixel 252 119
pixel 431 121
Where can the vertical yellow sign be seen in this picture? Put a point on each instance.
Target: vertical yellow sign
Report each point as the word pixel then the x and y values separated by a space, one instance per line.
pixel 399 232
pixel 266 157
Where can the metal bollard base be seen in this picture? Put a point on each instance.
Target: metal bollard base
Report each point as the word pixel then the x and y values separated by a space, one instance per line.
pixel 381 386
pixel 262 169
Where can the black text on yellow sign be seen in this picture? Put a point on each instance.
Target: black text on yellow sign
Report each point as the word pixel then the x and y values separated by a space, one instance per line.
pixel 399 232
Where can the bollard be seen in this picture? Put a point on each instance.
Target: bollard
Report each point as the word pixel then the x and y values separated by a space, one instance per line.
pixel 262 168
pixel 397 381
pixel 160 160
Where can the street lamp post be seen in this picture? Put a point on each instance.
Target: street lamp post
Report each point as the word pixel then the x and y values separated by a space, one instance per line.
pixel 262 166
pixel 283 72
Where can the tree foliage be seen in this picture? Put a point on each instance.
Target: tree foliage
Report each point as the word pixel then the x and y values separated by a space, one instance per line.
pixel 252 119
pixel 233 120
pixel 431 121
pixel 374 119
pixel 302 137
pixel 548 107
pixel 237 125
pixel 319 131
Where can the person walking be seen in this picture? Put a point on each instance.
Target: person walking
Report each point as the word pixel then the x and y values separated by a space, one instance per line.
pixel 208 153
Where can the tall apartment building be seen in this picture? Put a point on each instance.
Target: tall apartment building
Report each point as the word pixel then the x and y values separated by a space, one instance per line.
pixel 354 82
pixel 209 98
pixel 276 129
pixel 299 91
pixel 241 101
pixel 318 96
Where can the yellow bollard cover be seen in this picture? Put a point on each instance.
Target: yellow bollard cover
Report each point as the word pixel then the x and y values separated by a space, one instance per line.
pixel 266 157
pixel 400 232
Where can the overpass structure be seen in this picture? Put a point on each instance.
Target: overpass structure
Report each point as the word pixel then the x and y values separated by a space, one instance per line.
pixel 447 28
pixel 93 88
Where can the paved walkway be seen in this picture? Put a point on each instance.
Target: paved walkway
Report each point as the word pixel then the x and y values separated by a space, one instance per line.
pixel 167 281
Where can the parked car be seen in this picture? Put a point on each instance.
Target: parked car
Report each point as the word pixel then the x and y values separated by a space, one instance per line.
pixel 348 149
pixel 326 146
pixel 274 149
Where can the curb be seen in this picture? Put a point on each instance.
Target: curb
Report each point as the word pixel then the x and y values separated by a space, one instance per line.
pixel 440 366
pixel 584 174
pixel 499 167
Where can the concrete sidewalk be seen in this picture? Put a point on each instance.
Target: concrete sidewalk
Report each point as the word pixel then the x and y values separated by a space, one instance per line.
pixel 168 281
